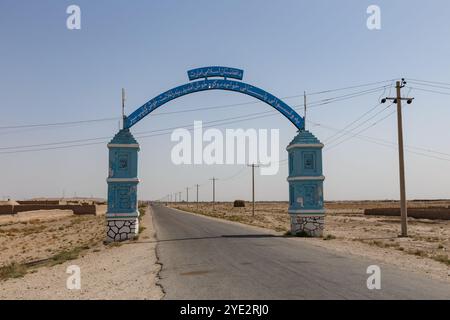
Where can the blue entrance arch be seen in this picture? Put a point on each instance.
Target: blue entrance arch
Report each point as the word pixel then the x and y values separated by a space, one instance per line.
pixel 305 157
pixel 215 84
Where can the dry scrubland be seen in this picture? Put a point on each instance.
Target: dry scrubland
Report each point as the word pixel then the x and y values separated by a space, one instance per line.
pixel 37 248
pixel 348 230
pixel 41 236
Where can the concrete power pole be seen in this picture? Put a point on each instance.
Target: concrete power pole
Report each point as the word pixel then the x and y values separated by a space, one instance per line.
pixel 403 207
pixel 187 195
pixel 214 191
pixel 197 194
pixel 253 186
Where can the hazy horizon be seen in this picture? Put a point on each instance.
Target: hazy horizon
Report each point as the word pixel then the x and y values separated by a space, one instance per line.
pixel 51 75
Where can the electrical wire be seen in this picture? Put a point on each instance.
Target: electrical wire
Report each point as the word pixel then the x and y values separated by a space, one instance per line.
pixel 56 124
pixel 332 140
pixel 362 130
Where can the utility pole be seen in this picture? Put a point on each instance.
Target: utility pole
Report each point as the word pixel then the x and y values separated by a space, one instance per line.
pixel 398 100
pixel 197 194
pixel 214 191
pixel 187 195
pixel 253 186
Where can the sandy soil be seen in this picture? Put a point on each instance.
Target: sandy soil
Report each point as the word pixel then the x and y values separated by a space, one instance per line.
pixel 32 236
pixel 426 250
pixel 125 271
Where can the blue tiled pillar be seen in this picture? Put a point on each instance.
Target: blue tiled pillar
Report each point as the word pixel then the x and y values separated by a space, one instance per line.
pixel 122 214
pixel 305 179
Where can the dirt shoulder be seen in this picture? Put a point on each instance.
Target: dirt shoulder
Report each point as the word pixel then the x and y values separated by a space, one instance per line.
pixel 125 271
pixel 349 231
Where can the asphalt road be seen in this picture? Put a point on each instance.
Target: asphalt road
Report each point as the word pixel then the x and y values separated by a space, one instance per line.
pixel 204 258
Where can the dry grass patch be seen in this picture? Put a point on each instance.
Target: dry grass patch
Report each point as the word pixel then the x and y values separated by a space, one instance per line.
pixel 12 270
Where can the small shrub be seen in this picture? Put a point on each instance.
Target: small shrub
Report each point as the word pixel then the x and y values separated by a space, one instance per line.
pixel 302 234
pixel 13 270
pixel 329 237
pixel 239 204
pixel 419 253
pixel 442 258
pixel 66 255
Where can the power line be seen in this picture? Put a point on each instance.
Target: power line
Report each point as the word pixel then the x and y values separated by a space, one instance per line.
pixel 364 129
pixel 59 123
pixel 362 123
pixel 429 85
pixel 427 81
pixel 268 113
pixel 385 143
pixel 354 121
pixel 350 87
pixel 363 115
pixel 428 90
pixel 207 108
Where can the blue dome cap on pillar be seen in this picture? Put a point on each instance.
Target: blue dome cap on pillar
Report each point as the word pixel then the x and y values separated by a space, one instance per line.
pixel 122 215
pixel 306 185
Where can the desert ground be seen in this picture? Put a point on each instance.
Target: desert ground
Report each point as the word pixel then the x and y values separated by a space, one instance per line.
pixel 348 230
pixel 37 248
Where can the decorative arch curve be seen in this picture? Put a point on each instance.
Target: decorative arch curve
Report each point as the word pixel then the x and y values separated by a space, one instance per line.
pixel 305 158
pixel 215 84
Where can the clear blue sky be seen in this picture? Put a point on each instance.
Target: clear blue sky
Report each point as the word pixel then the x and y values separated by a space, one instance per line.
pixel 51 74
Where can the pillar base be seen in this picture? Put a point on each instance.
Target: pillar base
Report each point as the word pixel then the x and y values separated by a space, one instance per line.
pixel 309 226
pixel 121 229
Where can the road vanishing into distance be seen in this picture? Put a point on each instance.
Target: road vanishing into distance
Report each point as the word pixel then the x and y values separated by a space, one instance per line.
pixel 206 258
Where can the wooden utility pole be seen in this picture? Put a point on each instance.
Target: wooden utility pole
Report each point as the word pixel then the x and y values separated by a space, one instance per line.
pixel 253 186
pixel 214 191
pixel 403 207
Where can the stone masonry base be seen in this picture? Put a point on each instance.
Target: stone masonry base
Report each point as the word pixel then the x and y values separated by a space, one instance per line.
pixel 311 226
pixel 121 230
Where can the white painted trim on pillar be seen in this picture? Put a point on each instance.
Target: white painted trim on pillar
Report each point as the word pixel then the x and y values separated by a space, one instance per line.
pixel 119 145
pixel 121 216
pixel 303 178
pixel 122 180
pixel 305 145
pixel 300 211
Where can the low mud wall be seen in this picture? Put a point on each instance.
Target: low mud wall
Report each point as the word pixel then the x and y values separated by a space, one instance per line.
pixel 40 202
pixel 6 209
pixel 77 209
pixel 418 213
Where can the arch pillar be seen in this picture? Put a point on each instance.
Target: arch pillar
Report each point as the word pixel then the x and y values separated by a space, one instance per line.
pixel 305 180
pixel 122 215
